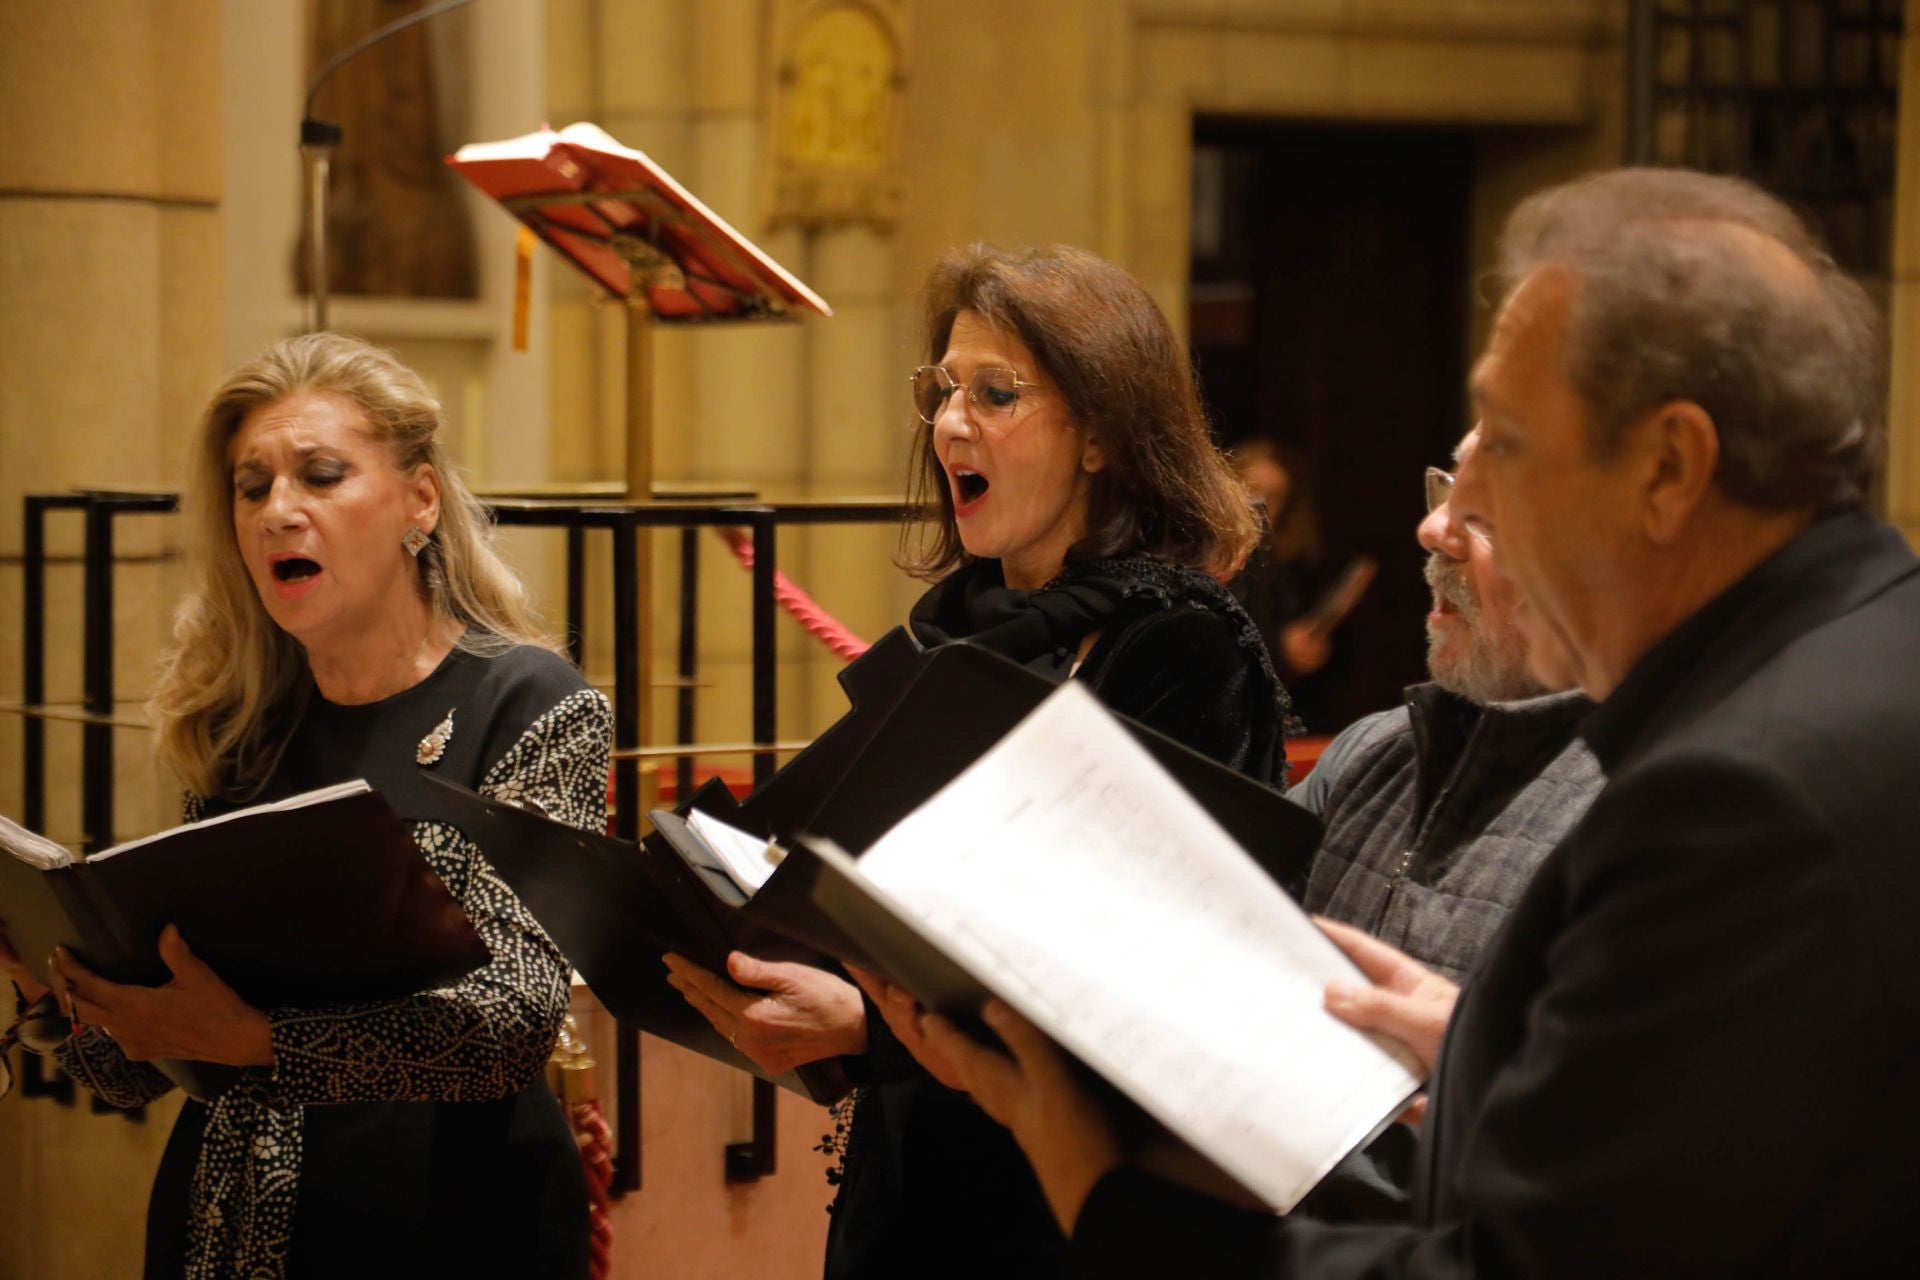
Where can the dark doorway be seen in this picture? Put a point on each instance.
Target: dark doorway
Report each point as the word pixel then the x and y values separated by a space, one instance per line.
pixel 1329 311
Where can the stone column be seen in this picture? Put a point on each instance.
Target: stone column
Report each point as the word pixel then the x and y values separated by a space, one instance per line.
pixel 859 425
pixel 110 286
pixel 110 334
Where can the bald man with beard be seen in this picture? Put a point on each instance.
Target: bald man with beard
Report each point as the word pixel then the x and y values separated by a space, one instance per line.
pixel 1438 811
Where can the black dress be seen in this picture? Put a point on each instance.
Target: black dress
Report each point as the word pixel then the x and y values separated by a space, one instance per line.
pixel 415 1137
pixel 930 1185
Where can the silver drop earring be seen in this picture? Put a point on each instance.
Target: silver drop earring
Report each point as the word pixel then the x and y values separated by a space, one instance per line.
pixel 415 541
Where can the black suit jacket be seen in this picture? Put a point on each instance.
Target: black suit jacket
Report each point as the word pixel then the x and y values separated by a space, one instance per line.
pixel 1694 1048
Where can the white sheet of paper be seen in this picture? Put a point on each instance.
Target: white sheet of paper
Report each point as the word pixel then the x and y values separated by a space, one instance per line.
pixel 33 848
pixel 301 801
pixel 1069 871
pixel 747 858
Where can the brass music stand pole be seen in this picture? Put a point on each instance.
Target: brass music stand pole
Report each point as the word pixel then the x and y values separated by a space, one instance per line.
pixel 616 199
pixel 639 399
pixel 637 784
pixel 649 267
pixel 640 489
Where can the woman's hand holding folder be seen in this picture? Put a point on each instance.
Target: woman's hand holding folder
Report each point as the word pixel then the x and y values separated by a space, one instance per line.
pixel 780 1015
pixel 904 1017
pixel 1066 1135
pixel 194 1016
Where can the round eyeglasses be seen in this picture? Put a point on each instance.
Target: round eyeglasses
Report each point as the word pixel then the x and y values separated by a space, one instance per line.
pixel 1440 492
pixel 991 392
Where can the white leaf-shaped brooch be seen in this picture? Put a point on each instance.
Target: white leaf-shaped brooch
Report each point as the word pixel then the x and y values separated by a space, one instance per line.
pixel 434 745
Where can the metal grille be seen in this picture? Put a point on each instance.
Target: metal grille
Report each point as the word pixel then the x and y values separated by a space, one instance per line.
pixel 1801 96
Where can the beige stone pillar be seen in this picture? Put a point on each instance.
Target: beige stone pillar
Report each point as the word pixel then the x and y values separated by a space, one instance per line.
pixel 859 426
pixel 110 326
pixel 1903 297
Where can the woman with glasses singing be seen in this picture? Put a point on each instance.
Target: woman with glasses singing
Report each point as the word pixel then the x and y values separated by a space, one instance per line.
pixel 1082 523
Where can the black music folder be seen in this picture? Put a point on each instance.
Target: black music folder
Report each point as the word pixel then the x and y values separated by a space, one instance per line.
pixel 614 907
pixel 918 719
pixel 1069 873
pixel 323 898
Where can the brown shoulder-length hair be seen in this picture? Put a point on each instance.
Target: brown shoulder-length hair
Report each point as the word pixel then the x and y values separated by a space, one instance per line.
pixel 1165 492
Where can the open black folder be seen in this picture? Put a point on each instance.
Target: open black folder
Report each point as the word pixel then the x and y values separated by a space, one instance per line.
pixel 918 719
pixel 320 899
pixel 1069 874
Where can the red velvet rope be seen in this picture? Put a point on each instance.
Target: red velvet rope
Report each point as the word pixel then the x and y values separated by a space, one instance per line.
pixel 819 624
pixel 596 1158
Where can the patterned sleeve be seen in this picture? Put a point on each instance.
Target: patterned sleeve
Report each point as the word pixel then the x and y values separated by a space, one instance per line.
pixel 96 1062
pixel 489 1034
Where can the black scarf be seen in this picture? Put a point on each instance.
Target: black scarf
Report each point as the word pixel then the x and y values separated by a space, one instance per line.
pixel 1042 629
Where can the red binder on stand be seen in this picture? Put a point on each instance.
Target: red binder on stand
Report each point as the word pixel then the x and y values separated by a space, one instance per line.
pixel 602 205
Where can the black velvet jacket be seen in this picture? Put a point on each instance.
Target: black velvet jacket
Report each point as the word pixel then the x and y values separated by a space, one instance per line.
pixel 932 1186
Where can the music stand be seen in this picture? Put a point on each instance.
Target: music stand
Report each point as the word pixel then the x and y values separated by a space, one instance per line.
pixel 645 240
pixel 639 237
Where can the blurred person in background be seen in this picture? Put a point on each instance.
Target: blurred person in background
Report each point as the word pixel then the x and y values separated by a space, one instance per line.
pixel 1295 597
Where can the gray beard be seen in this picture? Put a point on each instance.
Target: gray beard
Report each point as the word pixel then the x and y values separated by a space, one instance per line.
pixel 1486 668
pixel 1480 676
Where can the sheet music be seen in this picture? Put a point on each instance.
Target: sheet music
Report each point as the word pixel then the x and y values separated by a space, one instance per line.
pixel 747 858
pixel 1071 873
pixel 319 795
pixel 33 848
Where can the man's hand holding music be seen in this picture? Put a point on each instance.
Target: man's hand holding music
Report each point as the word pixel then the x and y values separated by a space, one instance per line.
pixel 1407 1000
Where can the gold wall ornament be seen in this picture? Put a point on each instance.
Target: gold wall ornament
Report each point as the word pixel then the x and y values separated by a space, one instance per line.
pixel 839 84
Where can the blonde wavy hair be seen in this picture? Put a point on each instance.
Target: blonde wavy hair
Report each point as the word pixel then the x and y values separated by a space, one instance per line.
pixel 234 685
